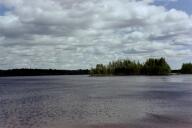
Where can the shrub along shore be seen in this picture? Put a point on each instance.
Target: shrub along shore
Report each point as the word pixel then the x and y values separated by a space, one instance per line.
pixel 127 67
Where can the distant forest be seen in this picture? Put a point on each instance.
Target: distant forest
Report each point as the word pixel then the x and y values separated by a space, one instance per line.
pixel 39 72
pixel 120 67
pixel 127 67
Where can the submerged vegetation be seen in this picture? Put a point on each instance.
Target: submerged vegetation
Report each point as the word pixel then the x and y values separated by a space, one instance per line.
pixel 128 67
pixel 186 68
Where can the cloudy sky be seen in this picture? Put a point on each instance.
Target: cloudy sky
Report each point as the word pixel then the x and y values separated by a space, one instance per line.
pixel 72 34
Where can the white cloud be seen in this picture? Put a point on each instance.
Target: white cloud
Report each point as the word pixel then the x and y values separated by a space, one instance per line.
pixel 81 33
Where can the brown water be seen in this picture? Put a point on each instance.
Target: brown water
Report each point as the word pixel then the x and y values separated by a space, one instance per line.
pixel 96 102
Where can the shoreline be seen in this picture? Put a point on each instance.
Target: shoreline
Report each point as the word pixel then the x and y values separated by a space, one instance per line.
pixel 93 75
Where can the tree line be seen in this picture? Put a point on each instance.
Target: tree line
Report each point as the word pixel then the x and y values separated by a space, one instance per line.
pixel 39 72
pixel 120 67
pixel 152 66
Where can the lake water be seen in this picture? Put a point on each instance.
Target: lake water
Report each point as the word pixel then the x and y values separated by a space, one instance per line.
pixel 96 102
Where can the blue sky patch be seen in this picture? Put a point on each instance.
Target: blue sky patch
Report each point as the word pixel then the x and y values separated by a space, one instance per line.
pixel 3 10
pixel 184 5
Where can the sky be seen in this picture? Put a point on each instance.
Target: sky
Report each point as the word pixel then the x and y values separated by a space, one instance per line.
pixel 73 34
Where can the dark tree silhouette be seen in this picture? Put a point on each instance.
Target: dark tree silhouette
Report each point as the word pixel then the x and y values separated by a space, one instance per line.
pixel 156 67
pixel 186 68
pixel 38 72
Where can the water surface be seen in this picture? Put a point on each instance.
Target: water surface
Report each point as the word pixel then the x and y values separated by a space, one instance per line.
pixel 96 102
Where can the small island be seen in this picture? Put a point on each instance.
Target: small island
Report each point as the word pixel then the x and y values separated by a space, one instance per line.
pixel 152 66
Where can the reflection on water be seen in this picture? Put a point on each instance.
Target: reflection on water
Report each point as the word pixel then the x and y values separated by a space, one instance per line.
pixel 96 102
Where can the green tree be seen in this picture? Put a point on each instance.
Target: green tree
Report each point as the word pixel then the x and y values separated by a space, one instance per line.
pixel 156 67
pixel 186 68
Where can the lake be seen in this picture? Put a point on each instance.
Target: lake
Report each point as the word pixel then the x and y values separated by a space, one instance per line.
pixel 96 102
